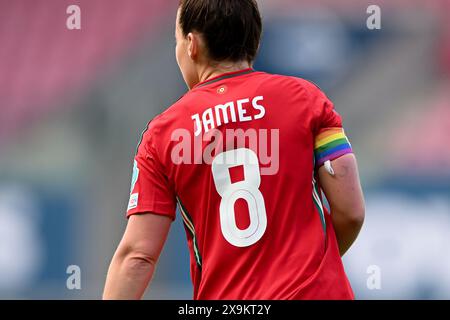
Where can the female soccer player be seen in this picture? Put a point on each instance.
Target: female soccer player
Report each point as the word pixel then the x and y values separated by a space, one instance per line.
pixel 245 155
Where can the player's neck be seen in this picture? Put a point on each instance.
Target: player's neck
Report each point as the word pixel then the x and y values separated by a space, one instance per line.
pixel 212 71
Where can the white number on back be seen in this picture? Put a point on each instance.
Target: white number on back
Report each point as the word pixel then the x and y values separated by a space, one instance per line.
pixel 248 190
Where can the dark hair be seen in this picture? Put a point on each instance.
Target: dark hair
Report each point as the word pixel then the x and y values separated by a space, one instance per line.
pixel 231 28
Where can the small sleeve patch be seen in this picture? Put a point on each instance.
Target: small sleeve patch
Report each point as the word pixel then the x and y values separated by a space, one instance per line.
pixel 133 203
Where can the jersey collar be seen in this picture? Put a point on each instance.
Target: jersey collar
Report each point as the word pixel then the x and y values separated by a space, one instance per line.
pixel 224 77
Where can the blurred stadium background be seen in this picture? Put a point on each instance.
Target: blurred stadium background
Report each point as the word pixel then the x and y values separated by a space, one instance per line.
pixel 73 104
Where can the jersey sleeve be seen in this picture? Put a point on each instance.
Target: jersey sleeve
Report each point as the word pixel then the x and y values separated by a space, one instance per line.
pixel 150 188
pixel 330 140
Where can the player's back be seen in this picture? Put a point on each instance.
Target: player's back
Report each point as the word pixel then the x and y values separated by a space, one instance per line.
pixel 238 154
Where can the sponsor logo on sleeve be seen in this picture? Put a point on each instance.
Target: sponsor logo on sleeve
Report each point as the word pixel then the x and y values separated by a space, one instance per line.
pixel 133 203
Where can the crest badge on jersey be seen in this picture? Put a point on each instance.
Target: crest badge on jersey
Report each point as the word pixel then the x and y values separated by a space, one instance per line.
pixel 222 89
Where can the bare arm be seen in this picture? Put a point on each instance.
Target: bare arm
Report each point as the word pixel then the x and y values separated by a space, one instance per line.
pixel 134 262
pixel 344 194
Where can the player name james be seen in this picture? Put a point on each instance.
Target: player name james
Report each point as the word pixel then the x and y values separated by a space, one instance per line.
pixel 242 110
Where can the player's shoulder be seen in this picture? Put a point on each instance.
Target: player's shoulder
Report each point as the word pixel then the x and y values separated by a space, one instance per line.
pixel 168 117
pixel 296 83
pixel 289 86
pixel 161 126
pixel 305 94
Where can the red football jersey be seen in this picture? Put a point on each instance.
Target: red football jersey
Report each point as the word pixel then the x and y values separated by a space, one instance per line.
pixel 239 154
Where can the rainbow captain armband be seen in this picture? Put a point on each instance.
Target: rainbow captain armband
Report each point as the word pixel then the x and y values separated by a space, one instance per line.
pixel 330 144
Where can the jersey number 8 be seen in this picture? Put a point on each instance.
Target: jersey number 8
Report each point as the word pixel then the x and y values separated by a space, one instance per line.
pixel 248 190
